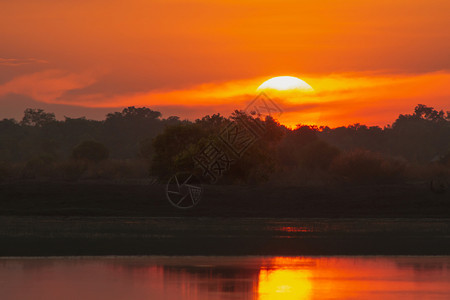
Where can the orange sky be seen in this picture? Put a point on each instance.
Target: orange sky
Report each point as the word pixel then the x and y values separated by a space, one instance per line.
pixel 368 61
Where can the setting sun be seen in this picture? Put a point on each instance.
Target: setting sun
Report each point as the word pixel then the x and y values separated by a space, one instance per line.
pixel 285 83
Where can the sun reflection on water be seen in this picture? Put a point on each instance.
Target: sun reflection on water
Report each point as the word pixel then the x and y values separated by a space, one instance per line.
pixel 225 278
pixel 284 278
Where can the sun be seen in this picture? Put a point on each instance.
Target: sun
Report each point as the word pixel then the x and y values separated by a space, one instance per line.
pixel 285 83
pixel 288 91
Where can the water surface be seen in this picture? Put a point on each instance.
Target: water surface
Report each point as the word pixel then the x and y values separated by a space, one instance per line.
pixel 217 277
pixel 86 236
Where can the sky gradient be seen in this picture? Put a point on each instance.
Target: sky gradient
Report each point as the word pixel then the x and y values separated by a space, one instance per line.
pixel 368 61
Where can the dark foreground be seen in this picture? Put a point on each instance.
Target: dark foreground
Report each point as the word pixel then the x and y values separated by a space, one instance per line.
pixel 139 199
pixel 92 218
pixel 53 236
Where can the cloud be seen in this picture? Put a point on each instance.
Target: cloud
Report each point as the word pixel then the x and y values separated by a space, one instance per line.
pixel 46 86
pixel 14 62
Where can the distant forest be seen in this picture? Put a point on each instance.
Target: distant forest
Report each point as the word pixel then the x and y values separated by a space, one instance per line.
pixel 140 143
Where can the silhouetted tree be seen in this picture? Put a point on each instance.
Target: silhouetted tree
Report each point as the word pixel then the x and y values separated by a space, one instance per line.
pixel 420 136
pixel 173 144
pixel 40 142
pixel 429 113
pixel 293 142
pixel 123 131
pixel 37 117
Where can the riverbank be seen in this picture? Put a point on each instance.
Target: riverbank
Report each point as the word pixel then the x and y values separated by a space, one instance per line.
pixel 141 199
pixel 135 218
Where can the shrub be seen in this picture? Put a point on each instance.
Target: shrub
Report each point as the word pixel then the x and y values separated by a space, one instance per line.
pixel 72 170
pixel 118 169
pixel 366 166
pixel 317 155
pixel 90 151
pixel 39 167
pixel 146 150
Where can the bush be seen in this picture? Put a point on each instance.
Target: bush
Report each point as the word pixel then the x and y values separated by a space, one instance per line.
pixel 118 170
pixel 317 155
pixel 366 166
pixel 72 170
pixel 90 151
pixel 42 166
pixel 146 150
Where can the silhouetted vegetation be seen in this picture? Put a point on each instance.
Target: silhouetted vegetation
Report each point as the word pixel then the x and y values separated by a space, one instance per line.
pixel 138 142
pixel 90 151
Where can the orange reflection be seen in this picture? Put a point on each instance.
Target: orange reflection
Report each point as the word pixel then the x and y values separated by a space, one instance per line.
pixel 214 277
pixel 284 280
pixel 294 229
pixel 352 277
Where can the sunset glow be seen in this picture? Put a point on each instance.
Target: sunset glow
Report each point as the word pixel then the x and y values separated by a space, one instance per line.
pixel 224 149
pixel 202 57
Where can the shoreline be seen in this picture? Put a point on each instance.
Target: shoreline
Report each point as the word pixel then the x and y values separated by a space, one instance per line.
pixel 35 198
pixel 107 218
pixel 100 236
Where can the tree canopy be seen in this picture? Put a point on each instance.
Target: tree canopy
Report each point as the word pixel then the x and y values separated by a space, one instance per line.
pixel 169 144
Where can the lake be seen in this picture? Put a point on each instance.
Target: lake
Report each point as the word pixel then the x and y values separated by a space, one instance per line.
pixel 225 277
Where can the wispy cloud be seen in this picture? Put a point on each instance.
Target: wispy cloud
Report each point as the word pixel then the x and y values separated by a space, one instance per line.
pixel 46 86
pixel 14 62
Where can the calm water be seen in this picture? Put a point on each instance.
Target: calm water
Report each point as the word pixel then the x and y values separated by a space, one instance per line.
pixel 130 278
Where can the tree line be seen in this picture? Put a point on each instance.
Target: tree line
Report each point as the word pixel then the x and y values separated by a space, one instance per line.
pixel 138 142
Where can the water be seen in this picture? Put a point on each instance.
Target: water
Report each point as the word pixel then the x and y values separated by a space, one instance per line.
pixel 81 236
pixel 217 277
